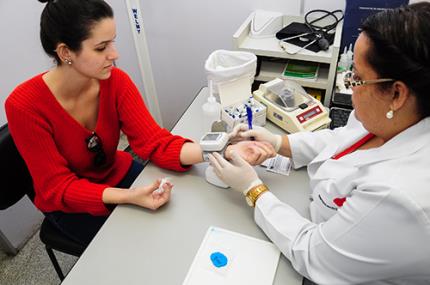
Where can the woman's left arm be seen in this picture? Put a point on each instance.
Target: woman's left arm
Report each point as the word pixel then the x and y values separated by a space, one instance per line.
pixel 253 152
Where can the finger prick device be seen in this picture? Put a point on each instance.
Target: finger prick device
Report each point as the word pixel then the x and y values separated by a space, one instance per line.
pixel 305 113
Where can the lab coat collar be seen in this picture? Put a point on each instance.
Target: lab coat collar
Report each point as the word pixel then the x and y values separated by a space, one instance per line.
pixel 406 142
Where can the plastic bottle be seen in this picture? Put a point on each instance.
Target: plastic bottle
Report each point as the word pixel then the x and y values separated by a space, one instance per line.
pixel 211 110
pixel 349 56
pixel 343 62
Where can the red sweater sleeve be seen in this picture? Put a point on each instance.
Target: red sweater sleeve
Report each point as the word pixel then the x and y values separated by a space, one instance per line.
pixel 57 187
pixel 146 137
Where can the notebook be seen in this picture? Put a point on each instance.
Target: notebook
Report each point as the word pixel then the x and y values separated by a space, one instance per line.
pixel 227 257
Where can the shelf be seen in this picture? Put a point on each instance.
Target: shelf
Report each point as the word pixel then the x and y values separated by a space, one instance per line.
pixel 269 47
pixel 271 70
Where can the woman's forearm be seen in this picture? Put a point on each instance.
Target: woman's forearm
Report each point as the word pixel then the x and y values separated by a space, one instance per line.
pixel 113 195
pixel 191 153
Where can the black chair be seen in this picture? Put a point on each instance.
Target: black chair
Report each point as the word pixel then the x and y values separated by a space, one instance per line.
pixel 17 182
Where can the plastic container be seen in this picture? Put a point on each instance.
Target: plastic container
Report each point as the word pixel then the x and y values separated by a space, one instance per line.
pixel 211 111
pixel 224 66
pixel 349 57
pixel 343 62
pixel 287 98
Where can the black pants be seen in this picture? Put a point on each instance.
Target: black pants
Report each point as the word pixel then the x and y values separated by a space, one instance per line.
pixel 82 227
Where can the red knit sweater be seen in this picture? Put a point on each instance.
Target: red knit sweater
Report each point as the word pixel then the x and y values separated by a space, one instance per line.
pixel 53 144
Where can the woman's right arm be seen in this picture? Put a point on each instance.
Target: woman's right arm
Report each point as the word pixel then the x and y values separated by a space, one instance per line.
pixel 143 196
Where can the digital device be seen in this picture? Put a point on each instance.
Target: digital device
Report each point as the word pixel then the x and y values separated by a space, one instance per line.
pixel 214 141
pixel 213 179
pixel 301 113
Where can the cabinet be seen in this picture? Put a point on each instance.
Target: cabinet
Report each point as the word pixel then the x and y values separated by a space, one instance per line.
pixel 272 58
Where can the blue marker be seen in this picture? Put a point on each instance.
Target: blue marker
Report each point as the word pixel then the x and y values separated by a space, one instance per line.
pixel 249 117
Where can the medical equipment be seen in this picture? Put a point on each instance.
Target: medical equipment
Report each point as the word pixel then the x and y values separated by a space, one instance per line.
pixel 305 114
pixel 308 35
pixel 213 179
pixel 224 66
pixel 231 74
pixel 211 142
pixel 235 97
pixel 214 141
pixel 211 110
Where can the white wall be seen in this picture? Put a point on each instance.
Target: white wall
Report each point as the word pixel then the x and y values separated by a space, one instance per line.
pixel 21 57
pixel 329 5
pixel 21 54
pixel 182 34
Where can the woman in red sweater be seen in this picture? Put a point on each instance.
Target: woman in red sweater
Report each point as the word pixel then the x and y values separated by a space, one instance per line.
pixel 66 124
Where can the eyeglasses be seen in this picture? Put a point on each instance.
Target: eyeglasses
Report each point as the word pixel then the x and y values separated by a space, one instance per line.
pixel 351 80
pixel 94 144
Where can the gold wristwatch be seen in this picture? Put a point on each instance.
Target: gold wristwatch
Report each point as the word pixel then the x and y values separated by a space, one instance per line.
pixel 252 195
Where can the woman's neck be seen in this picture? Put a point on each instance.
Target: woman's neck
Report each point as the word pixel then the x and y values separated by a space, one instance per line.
pixel 67 84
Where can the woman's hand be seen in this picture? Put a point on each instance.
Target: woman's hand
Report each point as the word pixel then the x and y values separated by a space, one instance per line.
pixel 253 152
pixel 241 132
pixel 145 196
pixel 238 174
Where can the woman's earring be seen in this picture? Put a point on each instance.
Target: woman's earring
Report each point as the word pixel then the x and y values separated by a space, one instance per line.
pixel 390 114
pixel 68 61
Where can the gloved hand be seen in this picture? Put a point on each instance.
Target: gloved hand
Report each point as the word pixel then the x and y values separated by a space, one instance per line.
pixel 239 175
pixel 255 153
pixel 241 131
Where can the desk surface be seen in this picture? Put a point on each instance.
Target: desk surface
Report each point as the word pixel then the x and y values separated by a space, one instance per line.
pixel 139 246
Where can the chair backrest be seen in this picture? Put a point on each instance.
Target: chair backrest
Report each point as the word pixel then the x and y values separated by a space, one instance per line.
pixel 14 175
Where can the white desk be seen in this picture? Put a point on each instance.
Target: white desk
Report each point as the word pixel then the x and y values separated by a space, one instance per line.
pixel 139 246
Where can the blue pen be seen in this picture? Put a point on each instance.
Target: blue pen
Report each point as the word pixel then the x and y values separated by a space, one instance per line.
pixel 249 117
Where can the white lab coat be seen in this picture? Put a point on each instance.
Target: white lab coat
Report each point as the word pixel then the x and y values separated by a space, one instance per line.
pixel 381 234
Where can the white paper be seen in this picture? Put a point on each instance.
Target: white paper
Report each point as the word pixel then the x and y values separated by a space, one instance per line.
pixel 237 259
pixel 278 164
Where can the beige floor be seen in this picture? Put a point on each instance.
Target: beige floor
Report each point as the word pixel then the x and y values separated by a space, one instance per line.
pixel 32 266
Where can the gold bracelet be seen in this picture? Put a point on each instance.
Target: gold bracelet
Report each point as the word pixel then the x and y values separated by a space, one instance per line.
pixel 254 193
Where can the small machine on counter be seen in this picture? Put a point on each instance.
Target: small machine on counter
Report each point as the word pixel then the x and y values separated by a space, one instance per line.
pixel 290 107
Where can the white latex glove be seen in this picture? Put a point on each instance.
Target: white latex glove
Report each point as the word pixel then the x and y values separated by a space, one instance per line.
pixel 259 133
pixel 239 174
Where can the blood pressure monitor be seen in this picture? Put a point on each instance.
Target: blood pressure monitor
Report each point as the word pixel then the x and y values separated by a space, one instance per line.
pixel 213 142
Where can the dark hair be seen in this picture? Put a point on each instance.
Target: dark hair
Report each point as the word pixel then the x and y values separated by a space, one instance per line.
pixel 400 49
pixel 70 22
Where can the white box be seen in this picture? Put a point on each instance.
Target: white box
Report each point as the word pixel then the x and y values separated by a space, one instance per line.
pixel 234 94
